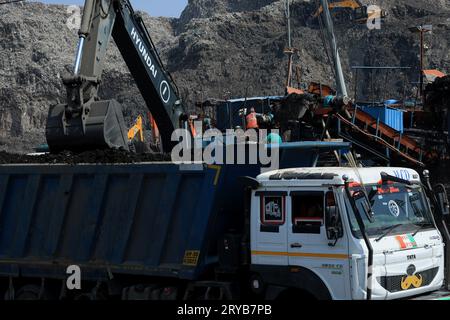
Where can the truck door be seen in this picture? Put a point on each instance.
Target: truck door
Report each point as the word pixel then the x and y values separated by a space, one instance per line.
pixel 269 228
pixel 308 246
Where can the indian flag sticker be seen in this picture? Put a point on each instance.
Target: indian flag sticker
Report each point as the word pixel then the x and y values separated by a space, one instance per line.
pixel 406 241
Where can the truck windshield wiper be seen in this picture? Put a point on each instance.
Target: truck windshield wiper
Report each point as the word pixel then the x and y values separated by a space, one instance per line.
pixel 389 230
pixel 420 227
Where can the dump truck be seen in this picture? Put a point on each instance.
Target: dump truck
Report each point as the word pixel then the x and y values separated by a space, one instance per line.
pixel 199 230
pixel 166 231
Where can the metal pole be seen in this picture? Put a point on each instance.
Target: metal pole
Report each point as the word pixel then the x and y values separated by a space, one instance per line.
pixel 289 50
pixel 288 17
pixel 421 62
pixel 340 80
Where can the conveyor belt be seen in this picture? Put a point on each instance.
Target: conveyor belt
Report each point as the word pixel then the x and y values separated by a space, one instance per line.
pixel 382 134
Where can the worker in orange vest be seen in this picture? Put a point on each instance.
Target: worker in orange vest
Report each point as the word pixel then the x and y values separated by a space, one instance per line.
pixel 252 121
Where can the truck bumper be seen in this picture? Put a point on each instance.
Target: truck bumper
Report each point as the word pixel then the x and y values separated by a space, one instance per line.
pixel 443 294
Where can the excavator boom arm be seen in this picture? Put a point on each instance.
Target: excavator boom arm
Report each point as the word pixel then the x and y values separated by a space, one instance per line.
pixel 142 59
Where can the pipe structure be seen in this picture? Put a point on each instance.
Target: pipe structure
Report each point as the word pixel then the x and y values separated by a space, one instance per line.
pixel 83 32
pixel 340 80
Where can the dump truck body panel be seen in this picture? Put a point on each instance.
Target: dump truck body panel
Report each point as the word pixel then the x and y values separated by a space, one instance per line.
pixel 156 219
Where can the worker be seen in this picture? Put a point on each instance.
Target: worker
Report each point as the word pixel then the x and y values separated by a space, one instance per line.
pixel 274 138
pixel 251 119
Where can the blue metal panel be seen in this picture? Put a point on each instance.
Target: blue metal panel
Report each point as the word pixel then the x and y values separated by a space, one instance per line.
pixel 172 200
pixel 89 225
pixel 129 209
pixel 24 216
pixel 145 223
pixel 389 116
pixel 15 197
pixel 38 233
pixel 60 200
pixel 139 217
pixel 183 220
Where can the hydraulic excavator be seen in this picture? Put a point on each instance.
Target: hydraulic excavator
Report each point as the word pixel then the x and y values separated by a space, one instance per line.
pixel 85 121
pixel 136 140
pixel 137 130
pixel 352 10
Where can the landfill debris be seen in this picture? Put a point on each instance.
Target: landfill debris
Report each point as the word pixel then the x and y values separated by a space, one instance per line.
pixel 88 157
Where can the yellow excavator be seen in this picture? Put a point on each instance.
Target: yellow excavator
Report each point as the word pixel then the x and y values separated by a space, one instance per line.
pixel 136 138
pixel 138 128
pixel 352 10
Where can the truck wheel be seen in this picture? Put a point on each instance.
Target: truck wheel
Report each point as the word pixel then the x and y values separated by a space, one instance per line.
pixel 32 292
pixel 215 294
pixel 296 295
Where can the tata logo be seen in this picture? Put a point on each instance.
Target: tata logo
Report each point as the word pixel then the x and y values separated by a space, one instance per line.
pixel 411 279
pixel 411 257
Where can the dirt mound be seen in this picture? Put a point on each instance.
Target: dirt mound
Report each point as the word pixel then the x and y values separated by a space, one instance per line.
pixel 90 157
pixel 217 49
pixel 438 93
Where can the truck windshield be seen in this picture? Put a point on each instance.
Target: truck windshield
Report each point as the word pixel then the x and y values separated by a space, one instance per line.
pixel 396 207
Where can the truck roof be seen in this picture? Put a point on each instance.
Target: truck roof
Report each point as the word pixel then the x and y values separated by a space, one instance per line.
pixel 332 175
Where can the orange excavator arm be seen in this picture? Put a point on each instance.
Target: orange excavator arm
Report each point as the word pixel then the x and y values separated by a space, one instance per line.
pixel 352 4
pixel 361 13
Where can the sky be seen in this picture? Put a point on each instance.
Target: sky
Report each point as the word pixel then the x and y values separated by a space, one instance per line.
pixel 165 8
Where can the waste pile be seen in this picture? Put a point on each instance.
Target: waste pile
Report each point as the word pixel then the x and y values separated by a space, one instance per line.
pixel 88 157
pixel 217 49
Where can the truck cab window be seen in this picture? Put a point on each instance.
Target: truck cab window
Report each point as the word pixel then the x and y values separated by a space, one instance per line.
pixel 307 212
pixel 394 205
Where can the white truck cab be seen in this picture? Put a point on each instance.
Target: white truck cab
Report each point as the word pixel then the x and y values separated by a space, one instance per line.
pixel 345 233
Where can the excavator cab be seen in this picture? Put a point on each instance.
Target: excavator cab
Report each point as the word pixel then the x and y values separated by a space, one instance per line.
pixel 363 14
pixel 360 14
pixel 342 10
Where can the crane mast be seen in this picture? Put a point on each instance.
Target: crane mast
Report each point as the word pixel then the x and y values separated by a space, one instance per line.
pixel 340 80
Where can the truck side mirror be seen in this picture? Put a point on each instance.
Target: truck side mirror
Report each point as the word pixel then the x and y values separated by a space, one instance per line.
pixel 333 220
pixel 442 200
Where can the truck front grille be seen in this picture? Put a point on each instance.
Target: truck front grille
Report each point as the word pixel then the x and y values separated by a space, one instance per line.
pixel 394 283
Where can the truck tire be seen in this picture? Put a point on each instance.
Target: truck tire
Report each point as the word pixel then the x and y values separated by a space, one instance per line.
pixel 293 294
pixel 32 292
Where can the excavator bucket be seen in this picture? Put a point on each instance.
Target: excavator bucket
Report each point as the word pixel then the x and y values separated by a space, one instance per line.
pixel 103 127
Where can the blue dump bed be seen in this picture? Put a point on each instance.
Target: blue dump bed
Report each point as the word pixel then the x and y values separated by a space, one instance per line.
pixel 156 219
